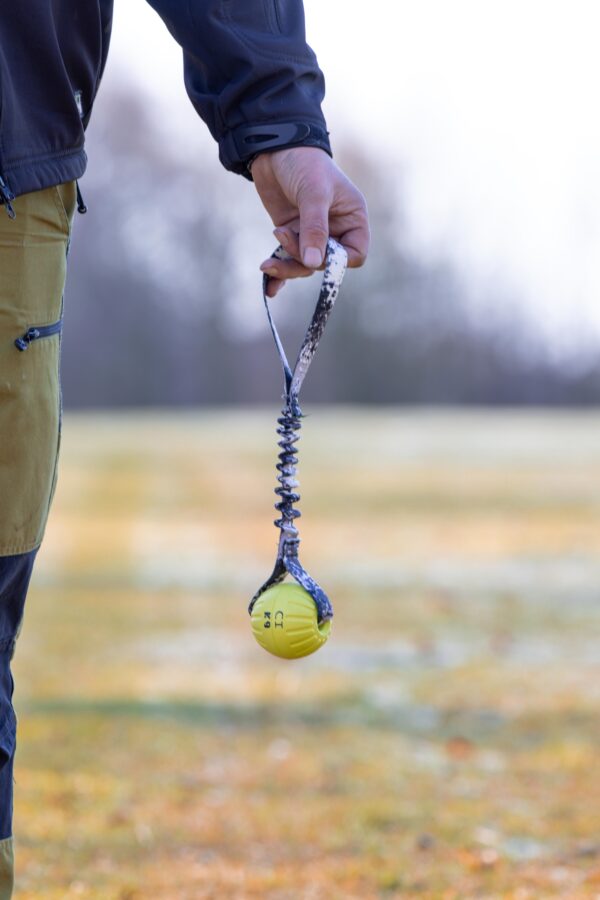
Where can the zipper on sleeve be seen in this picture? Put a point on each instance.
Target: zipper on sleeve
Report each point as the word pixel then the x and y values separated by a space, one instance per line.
pixel 36 332
pixel 6 195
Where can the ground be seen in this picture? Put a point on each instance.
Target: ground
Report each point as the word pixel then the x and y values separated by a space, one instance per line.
pixel 443 744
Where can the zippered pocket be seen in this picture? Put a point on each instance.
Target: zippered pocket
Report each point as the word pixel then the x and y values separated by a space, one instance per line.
pixel 35 332
pixel 31 286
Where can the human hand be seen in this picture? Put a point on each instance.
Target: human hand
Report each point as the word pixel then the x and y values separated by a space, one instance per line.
pixel 309 199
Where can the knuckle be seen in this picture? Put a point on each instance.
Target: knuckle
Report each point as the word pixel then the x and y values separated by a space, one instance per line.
pixel 358 260
pixel 317 230
pixel 361 203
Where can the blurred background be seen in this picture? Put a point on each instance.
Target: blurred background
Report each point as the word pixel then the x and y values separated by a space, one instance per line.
pixel 444 744
pixel 471 132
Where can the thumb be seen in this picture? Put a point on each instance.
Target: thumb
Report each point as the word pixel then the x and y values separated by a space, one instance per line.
pixel 314 228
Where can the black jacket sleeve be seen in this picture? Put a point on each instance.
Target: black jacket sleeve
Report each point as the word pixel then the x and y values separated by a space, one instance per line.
pixel 250 74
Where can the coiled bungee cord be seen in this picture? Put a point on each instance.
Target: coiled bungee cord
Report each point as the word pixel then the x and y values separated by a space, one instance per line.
pixel 293 620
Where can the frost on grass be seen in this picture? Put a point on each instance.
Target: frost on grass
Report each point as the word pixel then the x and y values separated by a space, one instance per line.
pixel 444 743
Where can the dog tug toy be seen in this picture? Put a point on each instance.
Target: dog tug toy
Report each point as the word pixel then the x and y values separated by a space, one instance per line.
pixel 294 619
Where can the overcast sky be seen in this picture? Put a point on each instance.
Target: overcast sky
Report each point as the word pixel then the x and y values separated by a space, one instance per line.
pixel 491 108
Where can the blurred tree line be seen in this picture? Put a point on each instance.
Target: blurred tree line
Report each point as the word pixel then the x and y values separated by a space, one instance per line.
pixel 164 304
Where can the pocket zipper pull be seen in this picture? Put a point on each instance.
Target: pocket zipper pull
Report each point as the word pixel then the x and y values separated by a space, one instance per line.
pixel 81 207
pixel 6 195
pixel 33 333
pixel 30 335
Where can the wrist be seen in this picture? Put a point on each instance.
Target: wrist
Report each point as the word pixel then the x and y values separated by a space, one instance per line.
pixel 264 165
pixel 242 145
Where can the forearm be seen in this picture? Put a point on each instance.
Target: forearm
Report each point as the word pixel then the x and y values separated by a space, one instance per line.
pixel 247 64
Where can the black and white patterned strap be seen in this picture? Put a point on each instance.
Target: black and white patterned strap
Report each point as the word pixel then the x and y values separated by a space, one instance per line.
pixel 289 427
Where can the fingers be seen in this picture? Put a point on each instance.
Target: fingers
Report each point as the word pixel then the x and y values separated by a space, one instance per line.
pixel 313 208
pixel 303 188
pixel 350 224
pixel 274 285
pixel 279 270
pixel 355 239
pixel 285 268
pixel 356 243
pixel 282 269
pixel 289 240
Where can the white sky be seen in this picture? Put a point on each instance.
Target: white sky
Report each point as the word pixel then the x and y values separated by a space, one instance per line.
pixel 489 106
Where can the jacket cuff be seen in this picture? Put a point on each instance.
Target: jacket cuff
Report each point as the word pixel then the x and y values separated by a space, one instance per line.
pixel 240 145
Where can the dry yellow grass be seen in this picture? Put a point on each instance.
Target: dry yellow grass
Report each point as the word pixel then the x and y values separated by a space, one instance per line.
pixel 444 744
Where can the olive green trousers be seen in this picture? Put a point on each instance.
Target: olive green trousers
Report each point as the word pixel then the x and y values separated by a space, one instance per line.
pixel 33 251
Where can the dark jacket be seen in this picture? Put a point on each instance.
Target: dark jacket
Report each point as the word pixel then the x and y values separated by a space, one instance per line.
pixel 247 69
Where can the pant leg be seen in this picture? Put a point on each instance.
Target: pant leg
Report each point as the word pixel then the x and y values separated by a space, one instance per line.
pixel 15 572
pixel 33 249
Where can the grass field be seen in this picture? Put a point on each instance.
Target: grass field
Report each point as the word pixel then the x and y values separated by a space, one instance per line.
pixel 444 744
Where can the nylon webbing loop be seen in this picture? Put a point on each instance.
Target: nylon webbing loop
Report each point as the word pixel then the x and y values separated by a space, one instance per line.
pixel 289 427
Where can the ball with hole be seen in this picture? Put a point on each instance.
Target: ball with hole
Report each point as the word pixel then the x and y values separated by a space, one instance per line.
pixel 285 622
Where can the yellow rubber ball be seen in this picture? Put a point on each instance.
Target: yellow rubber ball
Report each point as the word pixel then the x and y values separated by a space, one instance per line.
pixel 285 622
